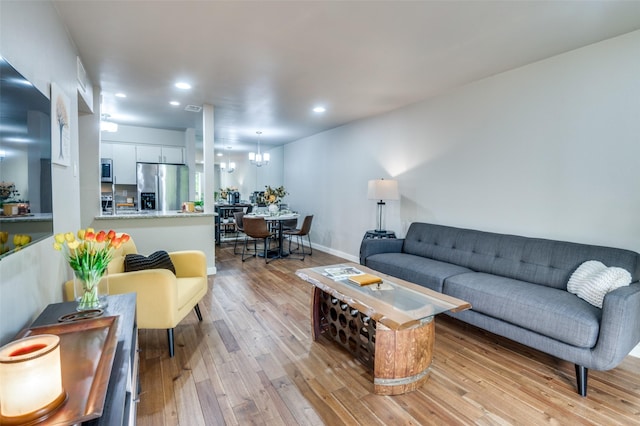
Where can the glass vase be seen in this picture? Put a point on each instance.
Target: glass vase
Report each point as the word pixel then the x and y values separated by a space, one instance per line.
pixel 91 288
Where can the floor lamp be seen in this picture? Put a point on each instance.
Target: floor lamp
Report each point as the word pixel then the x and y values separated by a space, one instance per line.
pixel 380 189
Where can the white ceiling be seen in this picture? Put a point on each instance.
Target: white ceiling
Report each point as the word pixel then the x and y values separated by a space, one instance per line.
pixel 265 64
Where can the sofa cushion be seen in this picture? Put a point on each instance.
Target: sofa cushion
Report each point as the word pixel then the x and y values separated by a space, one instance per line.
pixel 534 260
pixel 419 270
pixel 158 260
pixel 545 310
pixel 593 280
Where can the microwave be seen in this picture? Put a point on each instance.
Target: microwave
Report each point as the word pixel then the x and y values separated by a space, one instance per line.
pixel 106 170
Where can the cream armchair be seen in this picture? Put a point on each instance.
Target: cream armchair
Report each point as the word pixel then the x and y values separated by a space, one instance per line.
pixel 163 299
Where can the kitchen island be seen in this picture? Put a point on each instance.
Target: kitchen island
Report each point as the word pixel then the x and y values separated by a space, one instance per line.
pixel 169 231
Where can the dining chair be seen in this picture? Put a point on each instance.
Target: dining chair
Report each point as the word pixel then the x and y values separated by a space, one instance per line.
pixel 256 228
pixel 289 224
pixel 300 233
pixel 239 228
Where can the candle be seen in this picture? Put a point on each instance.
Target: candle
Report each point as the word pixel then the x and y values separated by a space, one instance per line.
pixel 30 378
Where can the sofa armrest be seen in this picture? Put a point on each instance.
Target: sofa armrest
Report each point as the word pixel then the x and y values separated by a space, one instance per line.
pixel 369 247
pixel 620 326
pixel 189 263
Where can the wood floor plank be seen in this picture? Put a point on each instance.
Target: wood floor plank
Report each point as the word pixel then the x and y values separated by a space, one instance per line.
pixel 252 360
pixel 285 415
pixel 211 409
pixel 299 399
pixel 218 387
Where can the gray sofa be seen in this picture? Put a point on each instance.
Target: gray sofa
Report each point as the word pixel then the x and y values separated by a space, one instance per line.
pixel 517 287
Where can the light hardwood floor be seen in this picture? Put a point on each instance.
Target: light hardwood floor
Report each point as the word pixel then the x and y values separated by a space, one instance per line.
pixel 252 361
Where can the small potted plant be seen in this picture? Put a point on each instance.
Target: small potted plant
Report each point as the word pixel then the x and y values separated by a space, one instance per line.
pixel 8 194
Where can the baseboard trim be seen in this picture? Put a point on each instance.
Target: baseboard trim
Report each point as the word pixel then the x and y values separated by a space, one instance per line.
pixel 347 256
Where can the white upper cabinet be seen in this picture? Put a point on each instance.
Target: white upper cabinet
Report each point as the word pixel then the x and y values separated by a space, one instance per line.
pixel 159 154
pixel 106 150
pixel 172 155
pixel 148 153
pixel 124 163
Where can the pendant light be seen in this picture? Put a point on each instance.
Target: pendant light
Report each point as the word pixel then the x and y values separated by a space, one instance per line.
pixel 259 159
pixel 228 166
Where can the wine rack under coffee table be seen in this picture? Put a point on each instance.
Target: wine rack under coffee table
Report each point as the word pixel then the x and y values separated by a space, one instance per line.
pixel 388 327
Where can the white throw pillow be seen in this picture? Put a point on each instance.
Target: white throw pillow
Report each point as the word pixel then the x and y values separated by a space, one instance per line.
pixel 592 280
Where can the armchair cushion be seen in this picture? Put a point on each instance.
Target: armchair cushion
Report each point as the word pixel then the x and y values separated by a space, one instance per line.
pixel 158 260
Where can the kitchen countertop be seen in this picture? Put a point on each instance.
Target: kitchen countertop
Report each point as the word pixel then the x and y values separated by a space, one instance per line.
pixel 30 217
pixel 152 215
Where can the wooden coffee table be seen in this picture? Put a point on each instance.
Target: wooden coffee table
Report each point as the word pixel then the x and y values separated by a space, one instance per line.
pixel 388 327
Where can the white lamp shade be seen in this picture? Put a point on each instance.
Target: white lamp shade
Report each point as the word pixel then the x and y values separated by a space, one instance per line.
pixel 382 189
pixel 252 156
pixel 266 156
pixel 223 165
pixel 30 375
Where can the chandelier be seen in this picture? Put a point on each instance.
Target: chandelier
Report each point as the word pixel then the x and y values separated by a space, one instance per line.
pixel 228 166
pixel 258 159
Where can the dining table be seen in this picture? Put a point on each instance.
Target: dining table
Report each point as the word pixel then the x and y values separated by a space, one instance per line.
pixel 278 220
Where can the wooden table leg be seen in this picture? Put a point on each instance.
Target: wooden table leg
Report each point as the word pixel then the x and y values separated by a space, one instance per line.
pixel 316 313
pixel 400 359
pixel 403 358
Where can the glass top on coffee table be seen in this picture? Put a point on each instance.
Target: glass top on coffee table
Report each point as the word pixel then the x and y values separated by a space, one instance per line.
pixel 393 302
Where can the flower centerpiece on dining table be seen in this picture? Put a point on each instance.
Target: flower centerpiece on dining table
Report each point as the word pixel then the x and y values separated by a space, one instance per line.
pixel 88 253
pixel 272 197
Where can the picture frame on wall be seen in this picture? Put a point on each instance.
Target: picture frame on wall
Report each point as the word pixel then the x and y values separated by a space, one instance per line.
pixel 60 127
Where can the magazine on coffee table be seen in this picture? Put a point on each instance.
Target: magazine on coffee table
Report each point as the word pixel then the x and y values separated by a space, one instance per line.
pixel 341 272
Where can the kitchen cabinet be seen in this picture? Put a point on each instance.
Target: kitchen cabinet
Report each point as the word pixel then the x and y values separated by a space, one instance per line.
pixel 125 156
pixel 148 153
pixel 106 150
pixel 124 163
pixel 160 154
pixel 172 155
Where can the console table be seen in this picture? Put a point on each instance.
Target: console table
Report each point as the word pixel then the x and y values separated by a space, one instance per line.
pixel 123 389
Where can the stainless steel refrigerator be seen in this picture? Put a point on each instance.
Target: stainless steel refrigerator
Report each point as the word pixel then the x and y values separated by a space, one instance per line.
pixel 162 187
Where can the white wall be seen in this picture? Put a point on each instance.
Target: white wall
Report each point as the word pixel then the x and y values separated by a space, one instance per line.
pixel 547 150
pixel 89 149
pixel 33 40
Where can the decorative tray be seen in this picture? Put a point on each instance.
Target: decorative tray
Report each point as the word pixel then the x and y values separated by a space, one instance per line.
pixel 87 349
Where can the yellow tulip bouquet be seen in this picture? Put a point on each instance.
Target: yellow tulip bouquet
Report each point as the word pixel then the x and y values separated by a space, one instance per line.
pixel 89 255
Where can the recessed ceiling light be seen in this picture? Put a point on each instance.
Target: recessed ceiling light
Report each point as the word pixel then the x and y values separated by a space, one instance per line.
pixel 183 85
pixel 175 103
pixel 121 95
pixel 319 109
pixel 219 154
